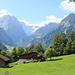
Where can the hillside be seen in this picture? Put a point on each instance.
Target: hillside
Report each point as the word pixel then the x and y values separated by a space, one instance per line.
pixel 44 30
pixel 4 38
pixel 41 32
pixel 3 47
pixel 6 48
pixel 37 35
pixel 62 65
pixel 29 30
pixel 9 48
pixel 44 34
pixel 66 25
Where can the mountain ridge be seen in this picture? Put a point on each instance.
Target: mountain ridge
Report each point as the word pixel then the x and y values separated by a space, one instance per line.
pixel 12 27
pixel 43 35
pixel 62 27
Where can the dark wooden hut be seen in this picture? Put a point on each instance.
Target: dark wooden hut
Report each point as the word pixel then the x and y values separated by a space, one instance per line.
pixel 28 56
pixel 4 61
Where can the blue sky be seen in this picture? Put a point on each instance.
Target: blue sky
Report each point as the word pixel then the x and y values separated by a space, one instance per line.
pixel 37 12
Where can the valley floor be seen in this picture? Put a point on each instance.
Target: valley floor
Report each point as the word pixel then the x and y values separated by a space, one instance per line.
pixel 62 65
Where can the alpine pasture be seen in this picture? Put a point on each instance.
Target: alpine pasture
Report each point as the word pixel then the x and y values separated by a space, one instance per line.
pixel 62 65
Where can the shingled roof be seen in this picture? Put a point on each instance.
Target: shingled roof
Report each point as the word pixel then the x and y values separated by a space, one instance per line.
pixel 4 58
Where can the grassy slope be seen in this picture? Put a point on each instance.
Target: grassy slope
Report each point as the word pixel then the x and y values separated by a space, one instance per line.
pixel 63 65
pixel 10 48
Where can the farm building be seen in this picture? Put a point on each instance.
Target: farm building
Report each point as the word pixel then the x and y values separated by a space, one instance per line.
pixel 28 56
pixel 4 61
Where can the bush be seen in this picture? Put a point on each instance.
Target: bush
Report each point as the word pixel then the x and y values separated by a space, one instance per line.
pixel 41 57
pixel 33 60
pixel 11 64
pixel 24 62
pixel 16 63
pixel 40 60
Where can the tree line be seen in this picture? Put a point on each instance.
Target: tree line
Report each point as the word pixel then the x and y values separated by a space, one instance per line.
pixel 61 45
pixel 14 55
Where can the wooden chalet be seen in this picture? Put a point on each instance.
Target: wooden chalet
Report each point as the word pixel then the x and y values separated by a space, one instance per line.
pixel 28 56
pixel 4 61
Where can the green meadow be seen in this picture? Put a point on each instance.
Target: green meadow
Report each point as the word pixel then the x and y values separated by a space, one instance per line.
pixel 62 65
pixel 10 48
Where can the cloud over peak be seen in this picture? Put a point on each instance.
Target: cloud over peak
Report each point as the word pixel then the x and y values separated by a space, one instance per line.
pixel 4 12
pixel 52 18
pixel 49 19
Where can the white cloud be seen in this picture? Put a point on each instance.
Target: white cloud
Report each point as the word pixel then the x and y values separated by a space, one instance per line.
pixel 43 23
pixel 69 6
pixel 65 16
pixel 35 28
pixel 49 19
pixel 21 20
pixel 38 25
pixel 27 23
pixel 4 12
pixel 53 19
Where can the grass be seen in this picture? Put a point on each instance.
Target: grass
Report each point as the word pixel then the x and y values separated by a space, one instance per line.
pixel 10 48
pixel 38 37
pixel 62 65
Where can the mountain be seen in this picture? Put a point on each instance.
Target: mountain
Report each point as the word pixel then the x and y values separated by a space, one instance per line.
pixel 37 35
pixel 16 31
pixel 66 25
pixel 41 32
pixel 44 30
pixel 4 38
pixel 13 28
pixel 28 29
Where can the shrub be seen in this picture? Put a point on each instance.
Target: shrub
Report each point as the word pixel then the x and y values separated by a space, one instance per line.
pixel 11 64
pixel 16 63
pixel 41 57
pixel 40 60
pixel 27 61
pixel 24 62
pixel 33 60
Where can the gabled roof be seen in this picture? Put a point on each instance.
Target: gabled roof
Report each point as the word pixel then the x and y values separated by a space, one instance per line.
pixel 28 53
pixel 4 58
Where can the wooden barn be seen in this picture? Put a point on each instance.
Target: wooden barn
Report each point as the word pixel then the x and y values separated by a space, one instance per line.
pixel 4 61
pixel 28 56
